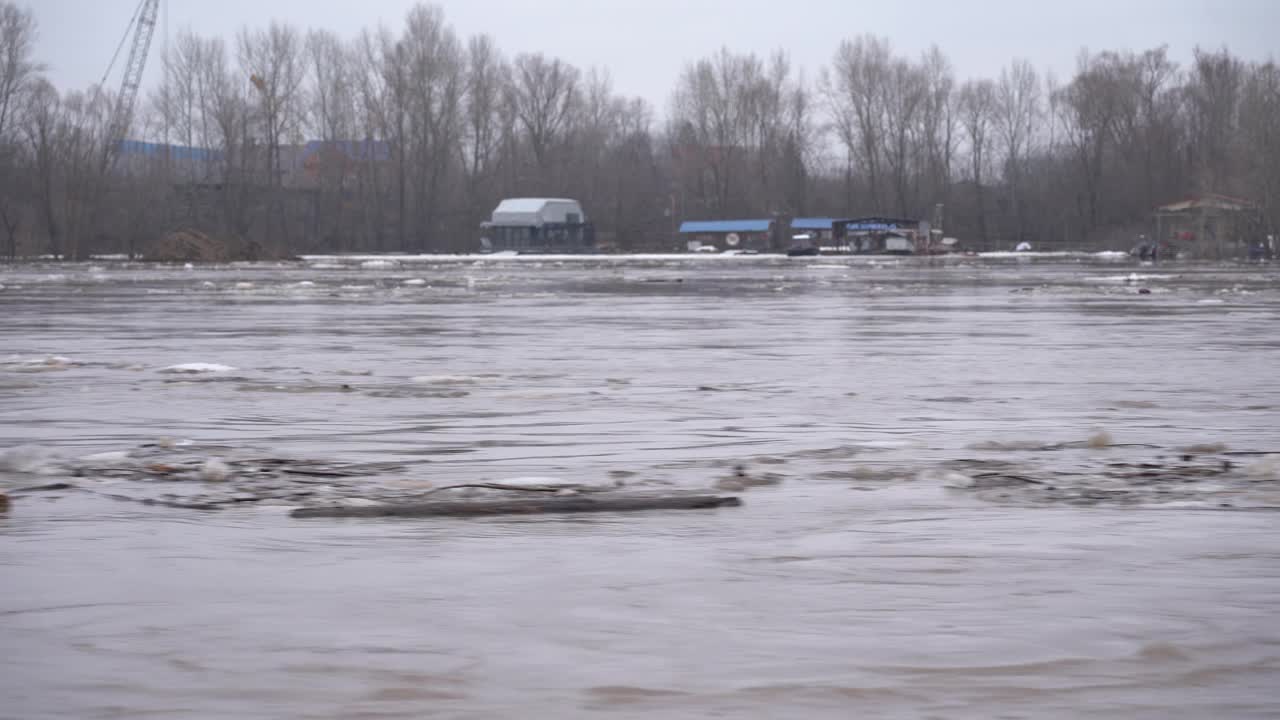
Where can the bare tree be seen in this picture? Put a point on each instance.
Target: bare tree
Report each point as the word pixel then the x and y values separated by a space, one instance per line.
pixel 1018 111
pixel 272 61
pixel 938 122
pixel 380 90
pixel 905 98
pixel 800 144
pixel 1213 92
pixel 1090 108
pixel 225 95
pixel 332 100
pixel 331 118
pixel 857 88
pixel 41 127
pixel 432 55
pixel 66 136
pixel 977 102
pixel 18 72
pixel 544 92
pixel 711 116
pixel 483 109
pixel 178 100
pixel 1260 126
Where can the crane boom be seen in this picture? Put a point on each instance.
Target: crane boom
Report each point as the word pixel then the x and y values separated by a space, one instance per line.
pixel 123 113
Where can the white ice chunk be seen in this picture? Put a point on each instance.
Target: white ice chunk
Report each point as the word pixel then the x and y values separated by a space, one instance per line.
pixel 214 470
pixel 444 380
pixel 195 368
pixel 115 457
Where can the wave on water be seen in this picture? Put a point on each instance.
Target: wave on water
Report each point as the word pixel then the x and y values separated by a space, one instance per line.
pixel 29 459
pixel 47 363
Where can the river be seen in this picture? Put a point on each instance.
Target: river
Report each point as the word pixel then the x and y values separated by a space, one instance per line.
pixel 875 576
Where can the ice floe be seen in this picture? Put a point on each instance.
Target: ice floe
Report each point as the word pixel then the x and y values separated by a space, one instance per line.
pixel 196 368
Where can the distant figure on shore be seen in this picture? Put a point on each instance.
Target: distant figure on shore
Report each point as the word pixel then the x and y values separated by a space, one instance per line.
pixel 1023 246
pixel 1146 251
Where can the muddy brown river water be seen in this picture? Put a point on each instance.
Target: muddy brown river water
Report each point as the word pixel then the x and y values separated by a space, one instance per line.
pixel 1000 488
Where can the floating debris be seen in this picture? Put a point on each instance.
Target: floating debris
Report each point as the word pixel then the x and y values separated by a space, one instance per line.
pixel 202 477
pixel 210 477
pixel 1100 439
pixel 187 475
pixel 1185 481
pixel 1204 449
pixel 741 480
pixel 625 503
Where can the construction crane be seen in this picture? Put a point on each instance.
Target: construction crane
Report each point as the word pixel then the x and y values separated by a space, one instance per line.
pixel 143 25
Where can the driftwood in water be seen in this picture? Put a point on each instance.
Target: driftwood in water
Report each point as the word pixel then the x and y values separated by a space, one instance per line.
pixel 523 506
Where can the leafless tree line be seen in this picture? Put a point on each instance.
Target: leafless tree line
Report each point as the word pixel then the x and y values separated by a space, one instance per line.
pixel 421 132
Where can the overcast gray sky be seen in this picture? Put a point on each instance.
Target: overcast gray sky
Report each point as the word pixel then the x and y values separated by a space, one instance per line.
pixel 644 43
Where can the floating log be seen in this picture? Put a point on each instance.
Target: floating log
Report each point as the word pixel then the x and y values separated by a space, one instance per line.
pixel 49 487
pixel 522 506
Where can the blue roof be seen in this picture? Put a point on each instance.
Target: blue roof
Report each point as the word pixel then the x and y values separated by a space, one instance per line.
pixel 812 223
pixel 724 226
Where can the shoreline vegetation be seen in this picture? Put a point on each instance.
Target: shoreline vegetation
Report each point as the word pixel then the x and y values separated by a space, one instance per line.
pixel 403 138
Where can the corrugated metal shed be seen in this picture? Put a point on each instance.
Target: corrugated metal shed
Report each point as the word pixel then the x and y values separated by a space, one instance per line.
pixel 723 226
pixel 812 223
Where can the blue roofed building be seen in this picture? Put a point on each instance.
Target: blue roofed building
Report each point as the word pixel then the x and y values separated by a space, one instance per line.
pixel 881 234
pixel 812 224
pixel 811 232
pixel 727 235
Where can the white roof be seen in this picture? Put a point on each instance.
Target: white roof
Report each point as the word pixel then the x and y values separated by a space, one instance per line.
pixel 528 204
pixel 536 211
